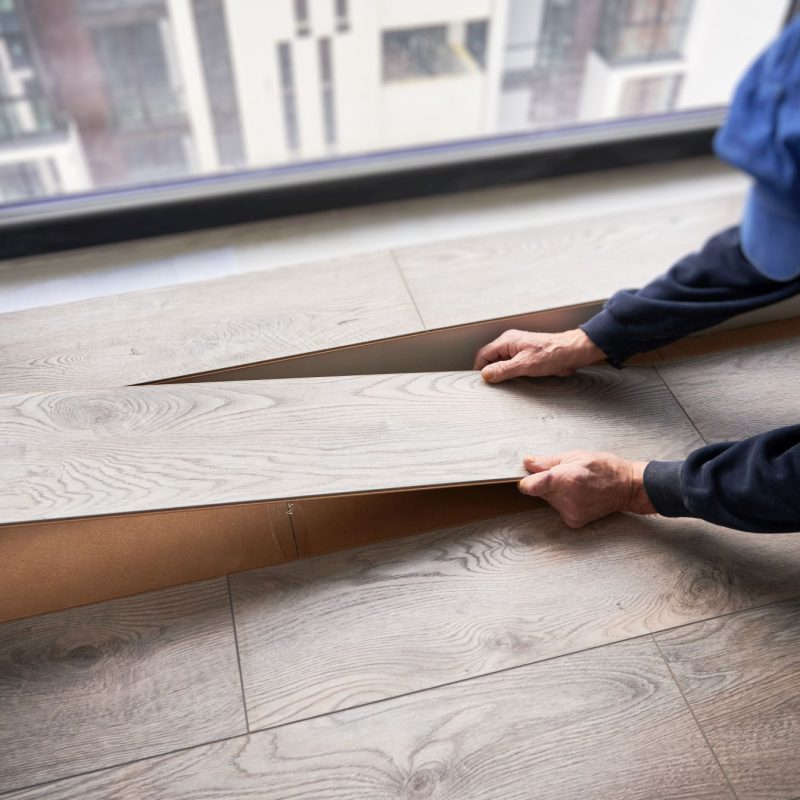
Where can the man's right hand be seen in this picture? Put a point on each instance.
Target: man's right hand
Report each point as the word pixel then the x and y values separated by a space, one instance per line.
pixel 515 354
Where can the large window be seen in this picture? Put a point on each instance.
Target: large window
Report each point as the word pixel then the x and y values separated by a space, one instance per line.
pixel 100 95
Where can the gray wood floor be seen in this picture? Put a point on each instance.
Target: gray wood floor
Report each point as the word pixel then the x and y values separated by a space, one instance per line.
pixel 511 658
pixel 739 393
pixel 154 447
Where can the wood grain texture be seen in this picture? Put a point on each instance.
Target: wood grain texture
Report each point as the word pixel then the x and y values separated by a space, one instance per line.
pixel 53 565
pixel 740 393
pixel 609 723
pixel 558 265
pixel 100 685
pixel 179 330
pixel 328 633
pixel 740 676
pixel 70 454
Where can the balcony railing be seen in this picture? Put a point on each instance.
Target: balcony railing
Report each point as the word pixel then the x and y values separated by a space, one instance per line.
pixel 29 117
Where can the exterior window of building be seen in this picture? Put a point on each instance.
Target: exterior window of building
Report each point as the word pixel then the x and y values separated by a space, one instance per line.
pixel 643 30
pixel 434 51
pixel 327 91
pixel 291 124
pixel 17 47
pixel 342 14
pixel 301 18
pixel 21 181
pixel 651 95
pixel 212 34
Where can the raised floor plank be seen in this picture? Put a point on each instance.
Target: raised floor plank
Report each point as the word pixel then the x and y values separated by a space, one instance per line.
pixel 739 393
pixel 163 333
pixel 609 723
pixel 70 454
pixel 740 676
pixel 579 261
pixel 96 686
pixel 328 633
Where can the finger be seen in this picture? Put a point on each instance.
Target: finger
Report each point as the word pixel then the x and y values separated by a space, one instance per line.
pixel 537 485
pixel 496 350
pixel 505 370
pixel 540 463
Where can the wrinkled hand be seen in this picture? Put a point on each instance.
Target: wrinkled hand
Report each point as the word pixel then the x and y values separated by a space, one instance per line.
pixel 519 353
pixel 584 487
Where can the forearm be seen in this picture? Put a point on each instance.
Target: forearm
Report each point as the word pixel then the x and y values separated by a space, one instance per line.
pixel 701 290
pixel 752 485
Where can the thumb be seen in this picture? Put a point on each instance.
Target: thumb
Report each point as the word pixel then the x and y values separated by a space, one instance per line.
pixel 505 370
pixel 540 463
pixel 537 485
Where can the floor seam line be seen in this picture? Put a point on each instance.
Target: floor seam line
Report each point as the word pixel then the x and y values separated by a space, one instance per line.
pixel 678 402
pixel 694 716
pixel 238 654
pixel 411 297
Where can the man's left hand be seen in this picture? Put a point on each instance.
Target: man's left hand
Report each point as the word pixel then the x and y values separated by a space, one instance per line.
pixel 584 486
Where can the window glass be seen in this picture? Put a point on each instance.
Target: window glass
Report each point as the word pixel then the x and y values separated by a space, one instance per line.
pixel 101 94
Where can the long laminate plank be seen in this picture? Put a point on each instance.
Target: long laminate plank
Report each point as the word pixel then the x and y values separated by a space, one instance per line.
pixel 95 686
pixel 735 394
pixel 327 633
pixel 609 723
pixel 740 676
pixel 180 330
pixel 571 262
pixel 69 454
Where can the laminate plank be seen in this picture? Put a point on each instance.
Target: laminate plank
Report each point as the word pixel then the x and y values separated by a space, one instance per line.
pixel 70 454
pixel 579 261
pixel 739 675
pixel 739 393
pixel 609 723
pixel 324 634
pixel 163 333
pixel 96 686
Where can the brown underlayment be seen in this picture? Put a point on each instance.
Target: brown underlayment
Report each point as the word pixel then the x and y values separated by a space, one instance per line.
pixel 54 565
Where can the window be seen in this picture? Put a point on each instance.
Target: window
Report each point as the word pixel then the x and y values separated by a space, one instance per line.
pixel 643 30
pixel 133 95
pixel 652 95
pixel 434 51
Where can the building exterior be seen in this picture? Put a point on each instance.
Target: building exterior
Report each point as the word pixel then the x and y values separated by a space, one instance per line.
pixel 103 93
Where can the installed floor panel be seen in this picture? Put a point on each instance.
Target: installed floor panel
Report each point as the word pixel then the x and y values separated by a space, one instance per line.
pixel 99 685
pixel 608 723
pixel 179 330
pixel 559 265
pixel 736 394
pixel 154 447
pixel 740 676
pixel 323 634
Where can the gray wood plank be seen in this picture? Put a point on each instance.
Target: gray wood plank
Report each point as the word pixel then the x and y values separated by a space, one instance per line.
pixel 740 676
pixel 609 723
pixel 99 685
pixel 572 262
pixel 327 633
pixel 736 394
pixel 67 454
pixel 180 330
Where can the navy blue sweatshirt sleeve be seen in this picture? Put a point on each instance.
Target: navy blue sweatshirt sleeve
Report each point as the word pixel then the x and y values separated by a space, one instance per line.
pixel 701 290
pixel 752 485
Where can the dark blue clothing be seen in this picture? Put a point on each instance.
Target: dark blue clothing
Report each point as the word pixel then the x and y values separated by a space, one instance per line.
pixel 752 485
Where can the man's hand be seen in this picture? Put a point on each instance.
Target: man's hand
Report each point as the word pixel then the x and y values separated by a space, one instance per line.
pixel 519 353
pixel 584 487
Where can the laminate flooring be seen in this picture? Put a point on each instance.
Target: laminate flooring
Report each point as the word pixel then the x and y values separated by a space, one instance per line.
pixel 142 337
pixel 508 273
pixel 739 393
pixel 81 454
pixel 90 687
